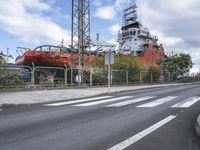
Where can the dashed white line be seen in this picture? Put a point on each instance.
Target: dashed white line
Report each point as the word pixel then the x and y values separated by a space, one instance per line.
pixel 104 101
pixel 126 143
pixel 77 101
pixel 158 102
pixel 131 101
pixel 187 103
pixel 0 109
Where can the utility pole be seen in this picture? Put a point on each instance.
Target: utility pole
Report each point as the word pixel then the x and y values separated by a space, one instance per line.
pixel 80 34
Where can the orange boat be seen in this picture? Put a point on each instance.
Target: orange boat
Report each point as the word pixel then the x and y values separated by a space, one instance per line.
pixel 49 55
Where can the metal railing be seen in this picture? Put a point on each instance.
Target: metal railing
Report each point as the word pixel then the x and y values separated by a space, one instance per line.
pixel 19 76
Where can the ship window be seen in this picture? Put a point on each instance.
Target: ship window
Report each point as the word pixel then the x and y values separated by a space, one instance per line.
pixel 130 40
pixel 138 31
pixel 134 33
pixel 135 39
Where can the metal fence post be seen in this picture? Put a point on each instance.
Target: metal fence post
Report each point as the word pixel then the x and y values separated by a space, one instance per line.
pixel 66 75
pixel 33 74
pixel 126 77
pixel 151 77
pixel 71 76
pixel 140 77
pixel 111 76
pixel 91 70
pixel 169 77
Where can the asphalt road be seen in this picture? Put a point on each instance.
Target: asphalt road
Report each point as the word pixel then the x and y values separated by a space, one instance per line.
pixel 152 119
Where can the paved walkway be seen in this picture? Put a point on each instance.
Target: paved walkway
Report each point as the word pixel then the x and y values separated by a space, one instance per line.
pixel 33 97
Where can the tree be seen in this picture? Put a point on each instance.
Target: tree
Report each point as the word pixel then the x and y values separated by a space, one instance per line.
pixel 177 65
pixel 2 60
pixel 122 62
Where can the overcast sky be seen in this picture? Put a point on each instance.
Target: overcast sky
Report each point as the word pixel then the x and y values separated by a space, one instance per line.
pixel 29 23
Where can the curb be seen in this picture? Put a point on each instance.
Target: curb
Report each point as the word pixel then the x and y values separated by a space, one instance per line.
pixel 146 88
pixel 105 92
pixel 197 126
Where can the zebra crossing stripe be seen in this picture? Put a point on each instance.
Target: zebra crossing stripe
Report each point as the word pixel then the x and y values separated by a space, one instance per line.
pixel 131 101
pixel 158 102
pixel 187 103
pixel 78 101
pixel 104 101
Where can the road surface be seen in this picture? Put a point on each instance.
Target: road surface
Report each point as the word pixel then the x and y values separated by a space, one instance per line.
pixel 151 119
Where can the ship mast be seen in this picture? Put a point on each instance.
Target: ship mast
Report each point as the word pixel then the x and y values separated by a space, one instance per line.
pixel 130 18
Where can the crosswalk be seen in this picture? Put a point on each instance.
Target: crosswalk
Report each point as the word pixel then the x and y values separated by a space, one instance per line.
pixel 158 102
pixel 104 101
pixel 78 101
pixel 139 102
pixel 187 103
pixel 125 103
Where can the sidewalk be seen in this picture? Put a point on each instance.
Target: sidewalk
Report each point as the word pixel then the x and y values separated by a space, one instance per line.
pixel 34 97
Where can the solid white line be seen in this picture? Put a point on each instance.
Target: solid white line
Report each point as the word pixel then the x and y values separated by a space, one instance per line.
pixel 187 103
pixel 158 102
pixel 126 143
pixel 77 101
pixel 0 109
pixel 131 101
pixel 104 101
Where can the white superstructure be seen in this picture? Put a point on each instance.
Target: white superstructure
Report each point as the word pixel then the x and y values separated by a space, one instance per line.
pixel 133 38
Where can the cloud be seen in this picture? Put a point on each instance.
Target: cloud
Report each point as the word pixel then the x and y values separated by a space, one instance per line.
pixel 175 23
pixel 97 2
pixel 26 21
pixel 106 12
pixel 121 4
pixel 109 12
pixel 114 29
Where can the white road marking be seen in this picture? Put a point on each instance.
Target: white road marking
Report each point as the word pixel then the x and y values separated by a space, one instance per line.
pixel 0 109
pixel 77 101
pixel 158 102
pixel 126 143
pixel 131 101
pixel 187 103
pixel 104 101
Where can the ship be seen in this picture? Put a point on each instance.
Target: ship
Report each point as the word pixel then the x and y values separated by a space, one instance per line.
pixel 136 40
pixel 50 56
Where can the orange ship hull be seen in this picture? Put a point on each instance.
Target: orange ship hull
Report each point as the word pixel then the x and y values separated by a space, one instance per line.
pixel 43 58
pixel 151 57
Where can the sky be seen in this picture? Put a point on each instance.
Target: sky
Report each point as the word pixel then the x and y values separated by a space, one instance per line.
pixel 30 23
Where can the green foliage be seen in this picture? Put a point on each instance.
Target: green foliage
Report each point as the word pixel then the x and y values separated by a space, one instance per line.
pixel 155 73
pixel 10 79
pixel 2 60
pixel 177 65
pixel 125 63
